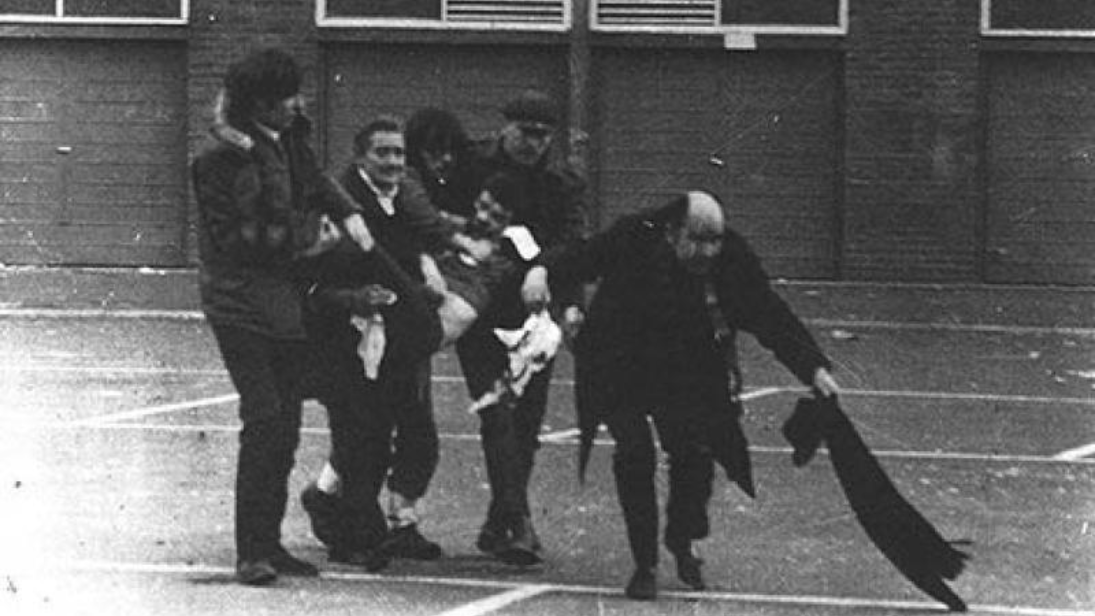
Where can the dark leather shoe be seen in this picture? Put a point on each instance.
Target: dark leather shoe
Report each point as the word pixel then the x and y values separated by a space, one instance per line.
pixel 260 572
pixel 520 549
pixel 642 586
pixel 408 542
pixel 287 564
pixel 372 560
pixel 324 512
pixel 491 540
pixel 688 566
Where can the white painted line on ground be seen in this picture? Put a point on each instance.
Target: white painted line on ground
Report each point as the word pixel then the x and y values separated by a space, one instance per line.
pixel 1077 453
pixel 750 394
pixel 494 603
pixel 979 328
pixel 560 435
pixel 576 589
pixel 945 395
pixel 47 368
pixel 155 410
pixel 764 391
pixel 566 437
pixel 101 313
pixel 572 433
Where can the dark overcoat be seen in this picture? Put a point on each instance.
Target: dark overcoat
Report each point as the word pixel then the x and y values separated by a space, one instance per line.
pixel 649 342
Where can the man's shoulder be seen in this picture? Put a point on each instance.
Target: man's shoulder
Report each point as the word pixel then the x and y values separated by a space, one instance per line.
pixel 351 180
pixel 636 228
pixel 217 154
pixel 735 243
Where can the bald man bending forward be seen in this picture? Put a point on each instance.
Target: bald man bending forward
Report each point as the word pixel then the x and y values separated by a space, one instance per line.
pixel 675 285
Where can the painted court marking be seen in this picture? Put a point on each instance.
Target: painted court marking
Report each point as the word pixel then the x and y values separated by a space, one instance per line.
pixel 569 437
pixel 1080 454
pixel 748 395
pixel 156 410
pixel 1077 453
pixel 513 592
pixel 494 603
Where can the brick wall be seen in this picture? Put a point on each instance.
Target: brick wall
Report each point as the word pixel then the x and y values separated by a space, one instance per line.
pixel 912 141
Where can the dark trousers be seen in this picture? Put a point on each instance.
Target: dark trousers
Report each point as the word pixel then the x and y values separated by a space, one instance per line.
pixel 267 373
pixel 416 447
pixel 509 435
pixel 363 415
pixel 634 464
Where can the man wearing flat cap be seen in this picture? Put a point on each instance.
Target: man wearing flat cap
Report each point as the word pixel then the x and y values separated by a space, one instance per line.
pixel 553 211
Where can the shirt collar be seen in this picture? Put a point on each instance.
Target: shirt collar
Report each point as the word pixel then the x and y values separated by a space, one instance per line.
pixel 386 199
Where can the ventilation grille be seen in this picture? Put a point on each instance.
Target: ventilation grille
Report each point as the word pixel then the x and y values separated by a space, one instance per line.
pixel 699 13
pixel 506 11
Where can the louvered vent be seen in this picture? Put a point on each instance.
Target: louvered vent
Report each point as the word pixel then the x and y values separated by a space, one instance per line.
pixel 506 11
pixel 657 12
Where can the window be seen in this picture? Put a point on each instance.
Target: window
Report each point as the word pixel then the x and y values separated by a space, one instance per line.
pixel 484 14
pixel 756 16
pixel 96 11
pixel 1038 18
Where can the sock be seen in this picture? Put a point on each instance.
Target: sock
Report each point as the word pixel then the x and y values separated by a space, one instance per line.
pixel 329 482
pixel 402 511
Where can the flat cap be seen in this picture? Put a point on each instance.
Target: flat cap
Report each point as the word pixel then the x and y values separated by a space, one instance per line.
pixel 532 106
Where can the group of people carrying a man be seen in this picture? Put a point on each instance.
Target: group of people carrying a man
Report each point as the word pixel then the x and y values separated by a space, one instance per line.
pixel 342 289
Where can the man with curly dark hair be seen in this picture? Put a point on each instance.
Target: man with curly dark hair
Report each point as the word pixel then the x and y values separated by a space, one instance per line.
pixel 264 209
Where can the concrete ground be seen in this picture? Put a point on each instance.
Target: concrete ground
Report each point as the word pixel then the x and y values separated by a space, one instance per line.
pixel 118 450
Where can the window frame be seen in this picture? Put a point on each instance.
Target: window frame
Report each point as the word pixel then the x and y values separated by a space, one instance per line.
pixel 727 30
pixel 58 17
pixel 323 21
pixel 988 31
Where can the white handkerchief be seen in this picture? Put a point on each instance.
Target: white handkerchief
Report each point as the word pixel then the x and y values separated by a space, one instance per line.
pixel 373 340
pixel 523 241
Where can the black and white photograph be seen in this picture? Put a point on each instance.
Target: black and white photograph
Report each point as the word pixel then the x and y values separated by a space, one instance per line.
pixel 547 307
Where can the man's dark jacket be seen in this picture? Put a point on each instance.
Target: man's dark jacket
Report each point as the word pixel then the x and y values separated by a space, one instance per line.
pixel 415 227
pixel 649 340
pixel 258 204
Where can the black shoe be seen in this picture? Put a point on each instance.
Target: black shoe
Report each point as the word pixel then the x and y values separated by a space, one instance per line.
pixel 536 545
pixel 688 566
pixel 287 564
pixel 519 550
pixel 260 572
pixel 491 539
pixel 407 542
pixel 324 511
pixel 372 560
pixel 642 586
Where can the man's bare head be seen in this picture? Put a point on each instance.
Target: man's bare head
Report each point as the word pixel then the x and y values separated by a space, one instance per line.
pixel 697 239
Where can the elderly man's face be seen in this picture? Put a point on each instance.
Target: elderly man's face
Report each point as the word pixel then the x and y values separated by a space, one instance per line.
pixel 385 161
pixel 526 142
pixel 697 241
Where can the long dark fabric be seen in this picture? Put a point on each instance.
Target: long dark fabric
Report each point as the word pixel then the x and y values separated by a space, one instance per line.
pixel 899 531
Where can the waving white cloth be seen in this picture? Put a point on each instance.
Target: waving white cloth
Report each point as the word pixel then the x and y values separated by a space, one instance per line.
pixel 530 349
